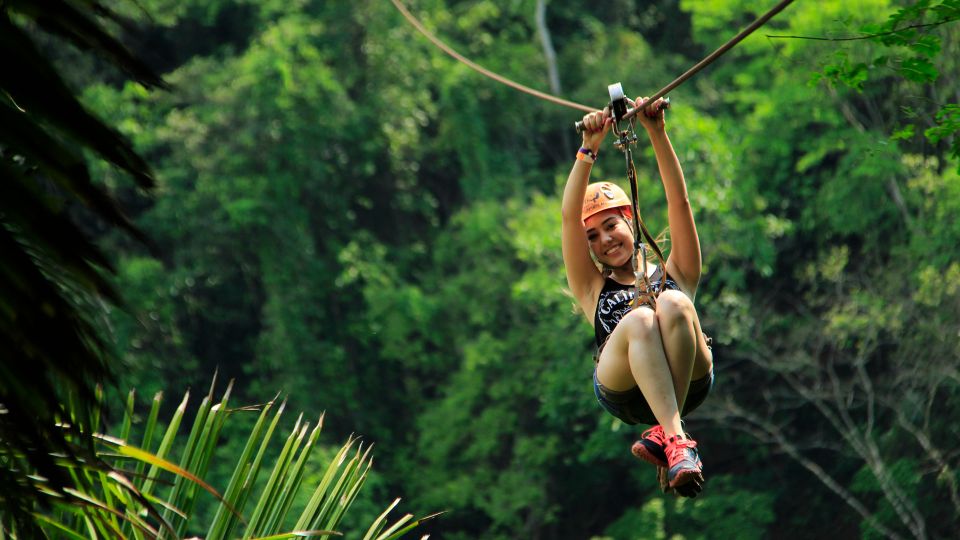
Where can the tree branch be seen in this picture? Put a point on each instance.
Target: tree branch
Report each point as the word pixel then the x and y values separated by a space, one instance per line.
pixel 868 36
pixel 932 451
pixel 863 445
pixel 763 430
pixel 550 55
pixel 893 188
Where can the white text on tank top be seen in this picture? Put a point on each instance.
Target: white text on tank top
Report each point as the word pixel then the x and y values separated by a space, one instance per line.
pixel 612 305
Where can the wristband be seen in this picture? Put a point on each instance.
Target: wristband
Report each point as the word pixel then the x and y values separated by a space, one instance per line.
pixel 586 154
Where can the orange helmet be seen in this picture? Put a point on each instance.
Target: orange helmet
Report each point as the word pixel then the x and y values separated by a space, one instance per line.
pixel 602 196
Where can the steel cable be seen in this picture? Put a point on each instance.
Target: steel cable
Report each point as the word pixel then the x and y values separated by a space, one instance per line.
pixel 482 70
pixel 567 103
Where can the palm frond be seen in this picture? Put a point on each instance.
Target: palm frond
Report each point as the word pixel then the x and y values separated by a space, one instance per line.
pixel 54 276
pixel 34 86
pixel 72 21
pixel 114 505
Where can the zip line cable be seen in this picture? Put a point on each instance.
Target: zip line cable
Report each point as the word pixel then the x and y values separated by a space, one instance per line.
pixel 712 56
pixel 566 103
pixel 482 70
pixel 620 112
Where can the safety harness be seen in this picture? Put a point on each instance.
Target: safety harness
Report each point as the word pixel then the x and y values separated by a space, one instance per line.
pixel 625 138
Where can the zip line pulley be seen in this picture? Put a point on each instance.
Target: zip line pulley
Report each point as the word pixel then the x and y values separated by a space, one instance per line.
pixel 619 108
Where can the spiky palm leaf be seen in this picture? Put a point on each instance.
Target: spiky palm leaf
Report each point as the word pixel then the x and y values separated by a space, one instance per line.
pixel 53 277
pixel 168 476
pixel 57 477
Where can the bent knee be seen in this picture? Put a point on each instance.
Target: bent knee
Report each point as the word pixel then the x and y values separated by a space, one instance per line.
pixel 641 323
pixel 674 306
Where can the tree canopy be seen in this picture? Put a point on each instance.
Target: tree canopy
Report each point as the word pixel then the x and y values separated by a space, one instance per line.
pixel 344 213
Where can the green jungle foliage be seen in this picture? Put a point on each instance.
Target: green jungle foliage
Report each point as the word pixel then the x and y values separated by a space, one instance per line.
pixel 155 488
pixel 54 278
pixel 61 476
pixel 346 214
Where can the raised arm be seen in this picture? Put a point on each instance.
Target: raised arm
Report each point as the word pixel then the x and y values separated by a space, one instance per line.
pixel 684 261
pixel 584 279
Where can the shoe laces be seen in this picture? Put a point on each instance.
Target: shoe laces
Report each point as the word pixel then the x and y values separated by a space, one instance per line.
pixel 656 432
pixel 676 448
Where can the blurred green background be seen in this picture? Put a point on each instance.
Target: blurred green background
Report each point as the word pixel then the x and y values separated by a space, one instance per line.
pixel 348 216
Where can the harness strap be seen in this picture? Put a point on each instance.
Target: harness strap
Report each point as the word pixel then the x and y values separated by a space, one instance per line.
pixel 648 295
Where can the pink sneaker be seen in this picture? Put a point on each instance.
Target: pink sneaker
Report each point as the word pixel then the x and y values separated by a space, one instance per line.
pixel 684 462
pixel 650 447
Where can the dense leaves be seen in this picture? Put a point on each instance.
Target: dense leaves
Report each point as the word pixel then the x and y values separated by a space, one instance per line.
pixel 51 312
pixel 274 490
pixel 345 213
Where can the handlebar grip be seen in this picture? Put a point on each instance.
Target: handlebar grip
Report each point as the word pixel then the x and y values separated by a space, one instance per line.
pixel 665 104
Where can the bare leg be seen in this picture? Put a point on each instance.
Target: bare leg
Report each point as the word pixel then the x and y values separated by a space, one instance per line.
pixel 637 340
pixel 679 334
pixel 665 349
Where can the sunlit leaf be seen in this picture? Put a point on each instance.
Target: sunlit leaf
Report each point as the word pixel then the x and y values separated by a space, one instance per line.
pixel 919 70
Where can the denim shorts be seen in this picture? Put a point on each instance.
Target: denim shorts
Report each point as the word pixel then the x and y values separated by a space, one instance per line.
pixel 631 407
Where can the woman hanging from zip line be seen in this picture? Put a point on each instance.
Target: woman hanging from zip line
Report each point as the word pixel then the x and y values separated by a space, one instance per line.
pixel 653 363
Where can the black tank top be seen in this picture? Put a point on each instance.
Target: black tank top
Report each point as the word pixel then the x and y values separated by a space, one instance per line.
pixel 614 302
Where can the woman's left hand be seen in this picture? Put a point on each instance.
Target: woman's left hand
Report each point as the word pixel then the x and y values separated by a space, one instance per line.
pixel 651 117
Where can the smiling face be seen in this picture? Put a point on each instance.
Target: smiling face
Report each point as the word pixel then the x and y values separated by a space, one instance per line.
pixel 609 236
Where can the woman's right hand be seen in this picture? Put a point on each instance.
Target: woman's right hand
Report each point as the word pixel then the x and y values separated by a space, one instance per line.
pixel 596 125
